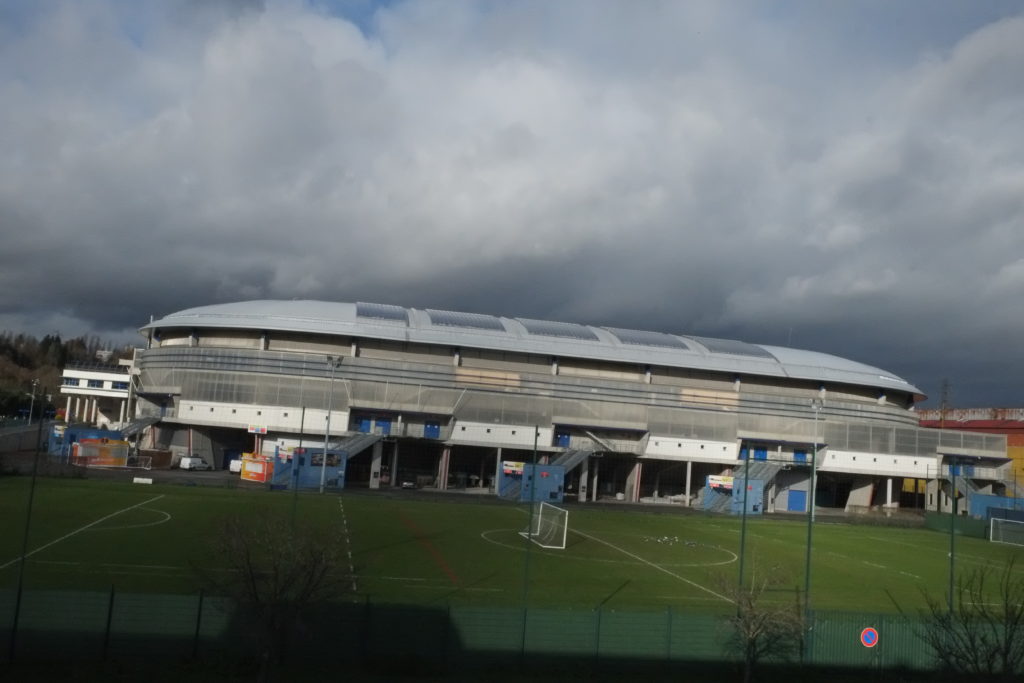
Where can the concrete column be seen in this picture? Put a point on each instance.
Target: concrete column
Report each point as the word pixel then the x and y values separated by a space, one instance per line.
pixel 633 482
pixel 95 409
pixel 584 479
pixel 442 468
pixel 67 411
pixel 593 480
pixel 394 466
pixel 378 450
pixel 497 470
pixel 121 416
pixel 888 491
pixel 689 479
pixel 77 405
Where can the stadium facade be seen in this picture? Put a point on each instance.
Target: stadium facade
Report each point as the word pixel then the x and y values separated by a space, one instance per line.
pixel 632 415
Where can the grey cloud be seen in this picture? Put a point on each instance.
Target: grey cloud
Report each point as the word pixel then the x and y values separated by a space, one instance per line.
pixel 720 169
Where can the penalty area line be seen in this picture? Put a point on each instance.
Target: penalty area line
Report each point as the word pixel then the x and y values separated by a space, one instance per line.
pixel 79 530
pixel 658 567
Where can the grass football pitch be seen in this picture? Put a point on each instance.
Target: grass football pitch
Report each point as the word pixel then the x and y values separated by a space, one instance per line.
pixel 412 549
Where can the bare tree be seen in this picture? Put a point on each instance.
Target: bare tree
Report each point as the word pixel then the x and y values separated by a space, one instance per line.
pixel 274 572
pixel 982 634
pixel 763 627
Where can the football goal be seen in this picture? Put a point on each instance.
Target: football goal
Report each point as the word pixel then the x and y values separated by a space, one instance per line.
pixel 1006 531
pixel 550 526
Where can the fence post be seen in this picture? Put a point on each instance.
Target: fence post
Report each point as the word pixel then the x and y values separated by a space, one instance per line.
pixel 199 623
pixel 367 619
pixel 110 618
pixel 668 633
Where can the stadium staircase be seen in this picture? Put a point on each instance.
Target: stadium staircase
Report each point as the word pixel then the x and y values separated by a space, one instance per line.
pixel 512 490
pixel 713 501
pixel 571 458
pixel 599 441
pixel 354 444
pixel 759 469
pixel 136 426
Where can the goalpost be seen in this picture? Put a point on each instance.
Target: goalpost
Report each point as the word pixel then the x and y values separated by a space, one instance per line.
pixel 1006 531
pixel 550 526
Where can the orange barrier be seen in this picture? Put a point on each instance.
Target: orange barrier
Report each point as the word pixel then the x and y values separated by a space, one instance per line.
pixel 100 453
pixel 257 468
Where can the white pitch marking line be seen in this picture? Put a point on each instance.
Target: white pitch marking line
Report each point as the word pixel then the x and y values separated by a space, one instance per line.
pixel 167 518
pixel 658 567
pixel 91 524
pixel 348 544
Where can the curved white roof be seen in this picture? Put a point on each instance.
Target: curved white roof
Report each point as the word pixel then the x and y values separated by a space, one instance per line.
pixel 473 330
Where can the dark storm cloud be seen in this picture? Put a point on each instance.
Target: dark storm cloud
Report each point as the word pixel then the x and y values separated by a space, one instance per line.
pixel 844 177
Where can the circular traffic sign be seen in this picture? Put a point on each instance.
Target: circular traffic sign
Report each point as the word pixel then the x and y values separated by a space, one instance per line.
pixel 869 637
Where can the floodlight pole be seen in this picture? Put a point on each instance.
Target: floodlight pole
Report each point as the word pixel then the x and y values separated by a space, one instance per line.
pixel 12 644
pixel 952 530
pixel 743 520
pixel 295 465
pixel 816 407
pixel 334 362
pixel 529 541
pixel 32 403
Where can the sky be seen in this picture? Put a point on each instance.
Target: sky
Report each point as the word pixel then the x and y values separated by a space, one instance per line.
pixel 840 176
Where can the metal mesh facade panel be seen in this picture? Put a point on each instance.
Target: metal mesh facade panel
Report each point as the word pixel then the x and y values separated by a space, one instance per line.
pixel 269 378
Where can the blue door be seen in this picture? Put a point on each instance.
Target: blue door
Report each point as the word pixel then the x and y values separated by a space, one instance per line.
pixel 432 430
pixel 799 456
pixel 562 439
pixel 760 454
pixel 797 501
pixel 744 453
pixel 383 425
pixel 364 425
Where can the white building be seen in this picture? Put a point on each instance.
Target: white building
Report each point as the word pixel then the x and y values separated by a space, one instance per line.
pixel 97 394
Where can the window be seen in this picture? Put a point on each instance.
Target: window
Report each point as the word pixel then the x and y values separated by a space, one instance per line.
pixel 119 385
pixel 95 384
pixel 70 381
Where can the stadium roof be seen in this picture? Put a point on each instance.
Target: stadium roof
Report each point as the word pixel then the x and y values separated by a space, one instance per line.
pixel 474 330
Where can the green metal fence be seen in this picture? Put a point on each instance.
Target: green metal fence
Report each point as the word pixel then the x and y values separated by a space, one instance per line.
pixel 98 625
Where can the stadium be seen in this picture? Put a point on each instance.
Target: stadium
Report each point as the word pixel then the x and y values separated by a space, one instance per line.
pixel 454 401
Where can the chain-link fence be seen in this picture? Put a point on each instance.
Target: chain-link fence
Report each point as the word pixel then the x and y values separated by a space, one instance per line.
pixel 81 625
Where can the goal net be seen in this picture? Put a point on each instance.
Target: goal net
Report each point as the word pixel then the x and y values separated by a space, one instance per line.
pixel 550 526
pixel 1006 531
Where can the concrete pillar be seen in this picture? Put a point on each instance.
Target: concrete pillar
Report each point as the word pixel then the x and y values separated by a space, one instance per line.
pixel 67 411
pixel 888 491
pixel 75 415
pixel 442 468
pixel 497 470
pixel 584 479
pixel 593 480
pixel 95 409
pixel 633 482
pixel 378 450
pixel 689 479
pixel 120 418
pixel 394 466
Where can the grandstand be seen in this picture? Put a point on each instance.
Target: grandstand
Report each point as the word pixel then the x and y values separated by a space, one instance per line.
pixel 459 400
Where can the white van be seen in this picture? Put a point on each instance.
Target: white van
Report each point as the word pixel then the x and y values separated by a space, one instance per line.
pixel 194 463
